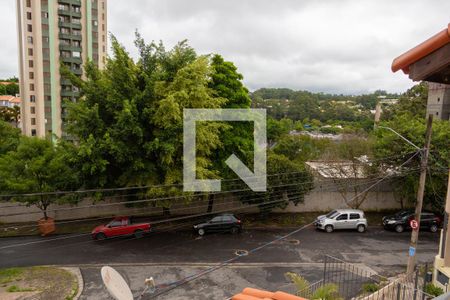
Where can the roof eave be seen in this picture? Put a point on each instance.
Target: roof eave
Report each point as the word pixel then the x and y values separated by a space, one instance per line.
pixel 437 41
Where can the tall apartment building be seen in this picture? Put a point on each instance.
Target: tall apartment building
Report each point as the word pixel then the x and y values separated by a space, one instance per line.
pixel 51 33
pixel 438 103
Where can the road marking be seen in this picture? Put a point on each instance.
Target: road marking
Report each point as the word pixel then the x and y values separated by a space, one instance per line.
pixel 203 264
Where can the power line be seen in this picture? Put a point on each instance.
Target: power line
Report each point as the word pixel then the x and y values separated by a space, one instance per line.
pixel 152 186
pixel 227 262
pixel 168 198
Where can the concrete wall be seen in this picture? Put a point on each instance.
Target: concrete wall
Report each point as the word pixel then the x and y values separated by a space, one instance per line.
pixel 324 197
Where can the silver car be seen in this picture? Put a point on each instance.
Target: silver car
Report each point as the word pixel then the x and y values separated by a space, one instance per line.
pixel 342 219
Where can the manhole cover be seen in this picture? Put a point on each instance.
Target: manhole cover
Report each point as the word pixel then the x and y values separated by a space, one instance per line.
pixel 241 252
pixel 293 242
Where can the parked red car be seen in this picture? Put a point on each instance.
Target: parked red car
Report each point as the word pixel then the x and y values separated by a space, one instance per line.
pixel 120 226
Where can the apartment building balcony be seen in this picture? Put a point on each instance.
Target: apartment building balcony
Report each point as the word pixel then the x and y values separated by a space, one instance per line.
pixel 69 48
pixel 77 60
pixel 66 93
pixel 64 12
pixel 69 36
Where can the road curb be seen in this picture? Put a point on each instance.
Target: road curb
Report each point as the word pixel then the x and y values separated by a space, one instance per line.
pixel 77 273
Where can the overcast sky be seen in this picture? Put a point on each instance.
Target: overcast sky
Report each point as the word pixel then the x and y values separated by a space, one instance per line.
pixel 339 46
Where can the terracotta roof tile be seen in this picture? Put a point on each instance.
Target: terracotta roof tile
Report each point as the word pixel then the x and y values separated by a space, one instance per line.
pixel 255 294
pixel 411 56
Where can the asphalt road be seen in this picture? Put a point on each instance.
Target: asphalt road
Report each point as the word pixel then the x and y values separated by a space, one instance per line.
pixel 379 249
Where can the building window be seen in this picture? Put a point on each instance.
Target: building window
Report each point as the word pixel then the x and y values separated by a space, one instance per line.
pixel 32 98
pixel 65 54
pixel 95 23
pixel 33 132
pixel 104 49
pixel 437 113
pixel 63 7
pixel 44 15
pixel 29 28
pixel 76 8
pixel 76 43
pixel 64 30
pixel 33 111
pixel 439 99
pixel 103 16
pixel 76 20
pixel 45 39
pixel 30 63
pixel 28 16
pixel 30 39
pixel 48 98
pixel 64 42
pixel 76 32
pixel 28 3
pixel 31 87
pixel 103 38
pixel 103 5
pixel 30 51
pixel 76 54
pixel 65 19
pixel 31 75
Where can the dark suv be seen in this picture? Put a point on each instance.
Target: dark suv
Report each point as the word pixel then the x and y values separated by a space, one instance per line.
pixel 220 223
pixel 400 221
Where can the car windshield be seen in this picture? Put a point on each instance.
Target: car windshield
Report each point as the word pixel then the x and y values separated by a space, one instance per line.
pixel 332 214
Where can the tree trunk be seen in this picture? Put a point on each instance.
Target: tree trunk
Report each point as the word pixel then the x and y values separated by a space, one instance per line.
pixel 210 203
pixel 166 211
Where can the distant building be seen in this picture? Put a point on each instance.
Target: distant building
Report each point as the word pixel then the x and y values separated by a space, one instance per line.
pixel 318 135
pixel 51 33
pixel 439 100
pixel 9 101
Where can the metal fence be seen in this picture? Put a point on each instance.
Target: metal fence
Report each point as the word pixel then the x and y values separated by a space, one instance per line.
pixel 357 282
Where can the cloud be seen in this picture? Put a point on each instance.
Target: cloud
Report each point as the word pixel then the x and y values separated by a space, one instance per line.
pixel 344 46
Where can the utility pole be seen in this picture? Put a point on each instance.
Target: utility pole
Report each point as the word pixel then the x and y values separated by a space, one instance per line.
pixel 420 193
pixel 445 247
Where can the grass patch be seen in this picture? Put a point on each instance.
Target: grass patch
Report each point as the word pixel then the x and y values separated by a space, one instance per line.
pixel 9 275
pixel 48 282
pixel 16 289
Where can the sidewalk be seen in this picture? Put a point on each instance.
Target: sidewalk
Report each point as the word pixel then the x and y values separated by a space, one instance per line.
pixel 220 284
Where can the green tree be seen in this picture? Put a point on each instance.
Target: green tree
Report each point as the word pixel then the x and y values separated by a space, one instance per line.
pixel 38 166
pixel 287 181
pixel 9 138
pixel 129 121
pixel 390 145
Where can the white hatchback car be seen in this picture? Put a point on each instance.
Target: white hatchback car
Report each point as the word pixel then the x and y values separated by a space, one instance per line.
pixel 342 219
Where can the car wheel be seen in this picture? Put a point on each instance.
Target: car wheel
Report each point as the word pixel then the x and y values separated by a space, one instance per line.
pixel 433 228
pixel 399 228
pixel 100 236
pixel 201 231
pixel 329 228
pixel 234 230
pixel 361 228
pixel 138 233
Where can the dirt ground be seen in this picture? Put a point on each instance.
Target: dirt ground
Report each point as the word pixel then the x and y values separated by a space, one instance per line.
pixel 37 283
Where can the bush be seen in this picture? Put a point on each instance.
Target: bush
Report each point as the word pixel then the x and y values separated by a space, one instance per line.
pixel 433 290
pixel 370 287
